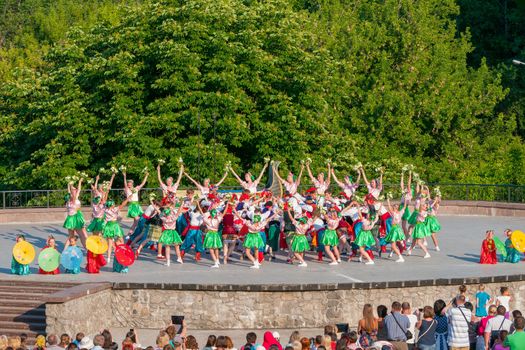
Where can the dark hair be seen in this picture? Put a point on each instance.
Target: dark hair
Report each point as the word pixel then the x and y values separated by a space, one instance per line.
pixel 502 335
pixel 132 336
pixel 333 336
pixel 72 346
pixel 462 288
pixel 222 343
pixel 469 306
pixel 439 305
pixel 396 306
pixel 382 311
pixel 501 310
pixel 23 336
pixel 288 347
pixel 79 336
pixel 168 347
pixel 211 341
pixel 150 348
pixel 251 338
pixel 341 344
pixel 191 342
pixel 519 323
pixel 248 346
pixel 503 289
pixel 516 314
pixel 272 347
pixel 352 336
pixel 320 347
pixel 319 339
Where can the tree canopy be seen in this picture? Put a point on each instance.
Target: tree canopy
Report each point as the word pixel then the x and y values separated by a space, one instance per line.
pixel 388 82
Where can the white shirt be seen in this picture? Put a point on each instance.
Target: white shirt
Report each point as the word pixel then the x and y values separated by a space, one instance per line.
pixel 413 320
pixel 458 326
pixel 196 219
pixel 496 322
pixel 505 301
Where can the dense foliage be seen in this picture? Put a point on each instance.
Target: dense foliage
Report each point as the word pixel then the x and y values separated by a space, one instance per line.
pixel 107 83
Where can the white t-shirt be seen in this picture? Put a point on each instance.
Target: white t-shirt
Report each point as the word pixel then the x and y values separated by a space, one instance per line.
pixel 498 323
pixel 505 301
pixel 196 219
pixel 458 326
pixel 413 320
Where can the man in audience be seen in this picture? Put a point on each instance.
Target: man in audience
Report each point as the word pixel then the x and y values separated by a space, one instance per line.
pixel 495 325
pixel 397 325
pixel 458 325
pixel 52 342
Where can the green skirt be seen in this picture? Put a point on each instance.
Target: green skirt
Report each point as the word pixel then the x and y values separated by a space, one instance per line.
pixel 396 234
pixel 432 224
pixel 75 222
pixel 253 240
pixel 300 244
pixel 112 230
pixel 421 231
pixel 406 213
pixel 170 237
pixel 330 238
pixel 212 240
pixel 365 239
pixel 96 225
pixel 19 269
pixel 412 220
pixel 134 210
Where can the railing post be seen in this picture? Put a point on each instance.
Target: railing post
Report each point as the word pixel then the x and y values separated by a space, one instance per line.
pixel 466 192
pixel 3 199
pixel 47 195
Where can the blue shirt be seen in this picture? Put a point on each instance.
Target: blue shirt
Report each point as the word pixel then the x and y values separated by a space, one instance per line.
pixel 481 303
pixel 393 329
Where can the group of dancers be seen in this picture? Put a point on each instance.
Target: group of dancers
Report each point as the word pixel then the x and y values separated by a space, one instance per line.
pixel 259 222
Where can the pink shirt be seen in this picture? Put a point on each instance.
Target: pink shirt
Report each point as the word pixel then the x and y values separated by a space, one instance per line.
pixel 332 223
pixel 212 224
pixel 349 190
pixel 396 218
pixel 169 222
pixel 303 228
pixel 375 192
pixel 71 208
pixel 112 214
pixel 98 210
pixel 321 187
pixel 422 216
pixel 290 187
pixel 252 187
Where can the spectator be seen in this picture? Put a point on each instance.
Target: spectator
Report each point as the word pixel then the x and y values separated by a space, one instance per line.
pixel 270 340
pixel 474 323
pixel 382 312
pixel 499 344
pixel 305 343
pixel 251 338
pixel 78 338
pixel 64 341
pixel 127 344
pixel 52 342
pixel 277 337
pixel 177 343
pixel 368 326
pixel 442 324
pixel 168 347
pixel 458 325
pixel 516 314
pixel 229 344
pixel 109 344
pixel 318 341
pixel 14 342
pixel 495 325
pixel 273 347
pixel 4 341
pixel 72 346
pixel 295 336
pixel 222 343
pixel 99 341
pixel 482 299
pixel 352 340
pixel 210 343
pixel 397 325
pixel 516 341
pixel 480 343
pixel 23 341
pixel 191 343
pixel 296 345
pixel 407 311
pixel 327 342
pixel 86 343
pixel 426 339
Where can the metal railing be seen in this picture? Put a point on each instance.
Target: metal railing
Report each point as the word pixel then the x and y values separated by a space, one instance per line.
pixel 471 192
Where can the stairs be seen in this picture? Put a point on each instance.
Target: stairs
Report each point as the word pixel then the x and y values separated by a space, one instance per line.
pixel 22 308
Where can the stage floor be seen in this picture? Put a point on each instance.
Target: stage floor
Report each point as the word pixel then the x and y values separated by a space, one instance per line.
pixel 460 242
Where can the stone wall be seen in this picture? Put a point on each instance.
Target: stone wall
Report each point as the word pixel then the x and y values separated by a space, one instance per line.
pixel 251 307
pixel 89 313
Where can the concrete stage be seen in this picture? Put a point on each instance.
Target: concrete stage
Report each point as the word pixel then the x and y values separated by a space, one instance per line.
pixel 460 242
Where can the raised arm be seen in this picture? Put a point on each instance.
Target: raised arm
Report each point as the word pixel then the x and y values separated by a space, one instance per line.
pixel 192 180
pixel 381 180
pixel 94 187
pixel 79 188
pixel 236 176
pixel 159 177
pixel 279 177
pixel 312 178
pixel 364 176
pixel 342 185
pixel 409 180
pixel 328 176
pixel 402 183
pixel 262 173
pixel 144 181
pixel 125 179
pixel 292 219
pixel 111 181
pixel 222 180
pixel 181 170
pixel 390 209
pixel 356 183
pixel 298 181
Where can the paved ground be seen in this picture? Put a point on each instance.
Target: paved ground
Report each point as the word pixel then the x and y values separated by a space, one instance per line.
pixel 460 242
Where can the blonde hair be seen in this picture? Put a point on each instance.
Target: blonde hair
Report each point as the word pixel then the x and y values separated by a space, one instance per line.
pixel 14 342
pixel 163 339
pixel 40 341
pixel 297 345
pixel 3 342
pixel 327 342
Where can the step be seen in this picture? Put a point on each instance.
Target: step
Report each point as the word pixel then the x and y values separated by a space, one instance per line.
pixel 16 317
pixel 23 326
pixel 28 296
pixel 31 335
pixel 21 303
pixel 23 310
pixel 30 289
pixel 34 284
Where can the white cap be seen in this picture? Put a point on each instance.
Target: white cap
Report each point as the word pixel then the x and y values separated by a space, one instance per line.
pixel 276 335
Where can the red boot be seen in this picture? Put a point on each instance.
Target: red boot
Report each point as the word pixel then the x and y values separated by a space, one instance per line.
pixel 182 252
pixel 260 257
pixel 319 256
pixel 197 256
pixel 370 254
pixel 383 249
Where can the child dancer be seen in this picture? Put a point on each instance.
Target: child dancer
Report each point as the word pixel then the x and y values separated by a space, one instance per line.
pixel 330 239
pixel 406 197
pixel 97 223
pixel 420 230
pixel 321 185
pixel 513 255
pixel 291 184
pixel 229 233
pixel 347 186
pixel 169 189
pixel 170 236
pixel 16 267
pixel 396 233
pixel 132 192
pixel 112 229
pixel 250 182
pixel 94 262
pixel 50 243
pixel 299 243
pixel 72 243
pixel 365 237
pixel 212 240
pixel 253 239
pixel 504 299
pixel 118 267
pixel 193 234
pixel 75 220
pixel 206 187
pixel 432 222
pixel 488 249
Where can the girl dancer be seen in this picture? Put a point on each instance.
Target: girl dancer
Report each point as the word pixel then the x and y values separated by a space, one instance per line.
pixel 432 222
pixel 97 223
pixel 374 187
pixel 396 233
pixel 488 249
pixel 229 233
pixel 16 267
pixel 170 236
pixel 253 239
pixel 75 220
pixel 365 237
pixel 330 239
pixel 291 184
pixel 132 192
pixel 193 234
pixel 321 185
pixel 420 230
pixel 50 243
pixel 300 243
pixel 406 197
pixel 212 240
pixel 169 189
pixel 347 186
pixel 251 183
pixel 206 187
pixel 112 228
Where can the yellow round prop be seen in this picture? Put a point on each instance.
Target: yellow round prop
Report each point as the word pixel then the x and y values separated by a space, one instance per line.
pixel 24 252
pixel 518 240
pixel 96 245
